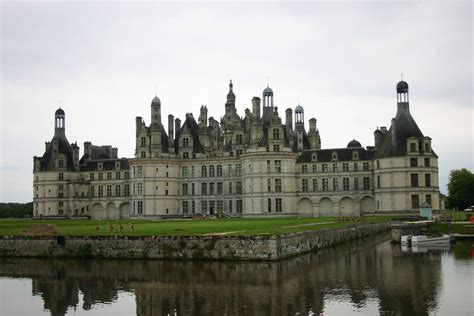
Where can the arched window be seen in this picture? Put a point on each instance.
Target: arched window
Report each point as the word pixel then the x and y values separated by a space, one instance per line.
pixel 211 171
pixel 219 170
pixel 204 171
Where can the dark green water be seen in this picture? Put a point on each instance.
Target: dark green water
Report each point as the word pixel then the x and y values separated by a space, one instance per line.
pixel 368 277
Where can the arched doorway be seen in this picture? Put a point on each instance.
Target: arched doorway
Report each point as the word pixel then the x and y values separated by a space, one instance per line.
pixel 346 206
pixel 305 206
pixel 97 211
pixel 111 211
pixel 367 204
pixel 325 207
pixel 124 210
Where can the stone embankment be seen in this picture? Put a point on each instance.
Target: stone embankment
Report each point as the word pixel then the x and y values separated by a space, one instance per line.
pixel 270 247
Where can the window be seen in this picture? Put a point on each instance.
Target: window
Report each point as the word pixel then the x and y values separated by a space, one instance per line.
pixel 109 175
pixel 276 147
pixel 305 185
pixel 185 155
pixel 185 142
pixel 61 163
pixel 91 176
pixel 192 171
pixel 193 206
pixel 325 185
pixel 203 207
pixel 203 188
pixel 315 185
pixel 134 192
pixel 269 205
pixel 211 171
pixel 61 176
pixel 334 167
pixel 140 207
pixel 414 180
pixel 428 199
pixel 277 185
pixel 238 152
pixel 239 206
pixel 276 134
pixel 101 191
pixel 268 166
pixel 335 184
pixel 315 168
pixel 211 188
pixel 427 162
pixel 185 207
pixel 378 164
pixel 229 167
pixel 117 175
pixel 238 170
pixel 230 206
pixel 345 167
pixel 143 154
pixel 238 139
pixel 238 187
pixel 219 170
pixel 378 182
pixel 126 190
pixel 127 174
pixel 220 206
pixel 269 185
pixel 192 189
pixel 219 188
pixel 278 205
pixel 184 171
pixel 60 187
pixel 278 166
pixel 413 162
pixel 139 171
pixel 204 171
pixel 92 191
pixel 143 141
pixel 230 187
pixel 366 183
pixel 356 183
pixel 325 167
pixel 412 147
pixel 166 192
pixel 100 165
pixel 184 189
pixel 139 188
pixel 345 184
pixel 117 190
pixel 356 166
pixel 304 169
pixel 415 201
pixel 365 166
pixel 101 176
pixel 334 156
pixel 427 180
pixel 60 194
pixel 427 147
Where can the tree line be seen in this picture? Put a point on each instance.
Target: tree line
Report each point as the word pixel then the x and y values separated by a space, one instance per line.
pixel 16 210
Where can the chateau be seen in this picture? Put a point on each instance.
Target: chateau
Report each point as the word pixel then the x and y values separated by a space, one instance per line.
pixel 240 166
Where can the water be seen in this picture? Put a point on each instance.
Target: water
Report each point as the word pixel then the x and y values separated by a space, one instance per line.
pixel 368 277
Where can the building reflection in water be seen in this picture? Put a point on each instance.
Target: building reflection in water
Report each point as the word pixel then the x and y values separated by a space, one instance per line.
pixel 360 272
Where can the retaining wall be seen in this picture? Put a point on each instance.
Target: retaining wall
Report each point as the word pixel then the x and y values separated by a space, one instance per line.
pixel 186 247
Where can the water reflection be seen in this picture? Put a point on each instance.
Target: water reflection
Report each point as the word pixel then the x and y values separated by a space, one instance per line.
pixel 371 274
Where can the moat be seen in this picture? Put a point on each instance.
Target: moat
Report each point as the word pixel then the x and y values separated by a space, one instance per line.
pixel 366 277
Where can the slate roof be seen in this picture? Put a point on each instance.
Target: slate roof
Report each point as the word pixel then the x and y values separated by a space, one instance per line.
pixel 343 154
pixel 193 127
pixel 107 165
pixel 47 161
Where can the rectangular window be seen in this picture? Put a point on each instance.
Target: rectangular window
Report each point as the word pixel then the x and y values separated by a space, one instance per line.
pixel 91 176
pixel 269 205
pixel 139 171
pixel 184 187
pixel 345 167
pixel 238 170
pixel 269 185
pixel 219 170
pixel 415 201
pixel 378 182
pixel 61 163
pixel 305 185
pixel 101 191
pixel 220 206
pixel 412 147
pixel 126 190
pixel 428 199
pixel 427 162
pixel 211 188
pixel 278 166
pixel 185 142
pixel 117 190
pixel 325 167
pixel 335 184
pixel 143 142
pixel 334 167
pixel 238 139
pixel 127 174
pixel 193 189
pixel 366 183
pixel 101 176
pixel 61 176
pixel 304 168
pixel 413 162
pixel 365 166
pixel 230 206
pixel 92 191
pixel 117 175
pixel 238 187
pixel 230 187
pixel 427 147
pixel 268 166
pixel 277 185
pixel 356 184
pixel 204 207
pixel 356 166
pixel 140 207
pixel 184 171
pixel 276 147
pixel 211 171
pixel 345 184
pixel 276 134
pixel 315 185
pixel 325 184
pixel 219 188
pixel 230 170
pixel 414 180
pixel 315 168
pixel 140 188
pixel 185 206
pixel 193 206
pixel 192 171
pixel 278 205
pixel 203 188
pixel 239 206
pixel 109 175
pixel 427 180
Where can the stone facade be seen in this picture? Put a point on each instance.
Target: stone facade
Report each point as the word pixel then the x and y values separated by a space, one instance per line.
pixel 240 166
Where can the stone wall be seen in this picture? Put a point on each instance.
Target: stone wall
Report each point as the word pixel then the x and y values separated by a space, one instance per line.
pixel 188 247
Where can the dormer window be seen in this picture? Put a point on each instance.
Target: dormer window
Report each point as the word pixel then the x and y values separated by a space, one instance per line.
pixel 314 157
pixel 143 141
pixel 143 154
pixel 412 147
pixel 117 165
pixel 427 147
pixel 186 142
pixel 355 155
pixel 61 163
pixel 100 166
pixel 238 139
pixel 334 155
pixel 276 134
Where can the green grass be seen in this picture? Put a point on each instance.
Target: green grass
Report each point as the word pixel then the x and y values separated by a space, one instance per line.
pixel 446 228
pixel 236 226
pixel 457 215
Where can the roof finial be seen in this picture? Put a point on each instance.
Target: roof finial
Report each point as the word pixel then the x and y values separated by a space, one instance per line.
pixel 59 103
pixel 298 100
pixel 268 85
pixel 156 90
pixel 230 85
pixel 401 75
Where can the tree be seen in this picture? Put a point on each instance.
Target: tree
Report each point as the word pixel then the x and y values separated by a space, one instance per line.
pixel 460 189
pixel 16 210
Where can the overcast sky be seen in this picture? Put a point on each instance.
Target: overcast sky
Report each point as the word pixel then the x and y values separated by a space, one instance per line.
pixel 102 61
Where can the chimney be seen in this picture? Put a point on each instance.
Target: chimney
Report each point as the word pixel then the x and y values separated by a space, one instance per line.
pixel 170 130
pixel 177 127
pixel 256 107
pixel 312 125
pixel 289 119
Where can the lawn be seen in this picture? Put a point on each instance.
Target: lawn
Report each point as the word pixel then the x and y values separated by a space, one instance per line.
pixel 230 227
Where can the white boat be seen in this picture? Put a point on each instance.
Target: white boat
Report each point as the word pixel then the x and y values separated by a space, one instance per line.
pixel 430 240
pixel 405 240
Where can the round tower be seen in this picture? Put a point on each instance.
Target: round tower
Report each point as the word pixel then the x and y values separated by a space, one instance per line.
pixel 299 117
pixel 156 111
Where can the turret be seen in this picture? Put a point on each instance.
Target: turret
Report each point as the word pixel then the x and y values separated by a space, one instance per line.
pixel 299 118
pixel 203 117
pixel 156 111
pixel 59 122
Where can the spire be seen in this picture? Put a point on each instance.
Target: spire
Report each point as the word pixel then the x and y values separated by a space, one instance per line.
pixel 230 86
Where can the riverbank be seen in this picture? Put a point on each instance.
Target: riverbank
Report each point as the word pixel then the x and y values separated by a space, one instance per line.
pixel 213 247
